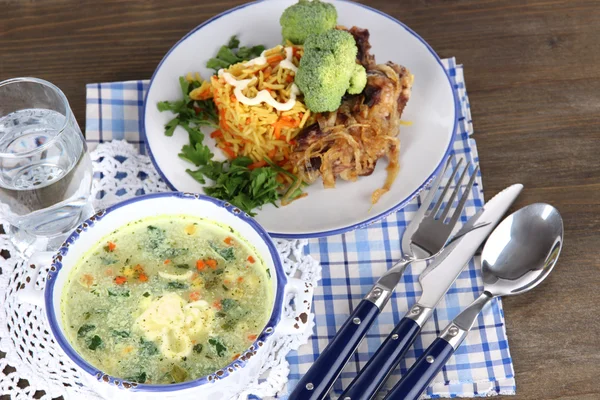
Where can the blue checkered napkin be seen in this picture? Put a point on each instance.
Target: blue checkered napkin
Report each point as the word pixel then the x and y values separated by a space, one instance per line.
pixel 352 263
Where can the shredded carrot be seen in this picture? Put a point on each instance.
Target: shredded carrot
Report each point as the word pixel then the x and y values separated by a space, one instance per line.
pixel 240 279
pixel 119 280
pixel 289 79
pixel 272 154
pixel 167 261
pixel 111 246
pixel 236 356
pixel 212 263
pixel 138 268
pixel 217 304
pixel 229 151
pixel 228 240
pixel 195 296
pixel 251 260
pixel 283 122
pixel 216 134
pixel 200 265
pixel 222 122
pixel 232 98
pixel 257 164
pixel 274 59
pixel 267 72
pixel 252 337
pixel 143 277
pixel 248 120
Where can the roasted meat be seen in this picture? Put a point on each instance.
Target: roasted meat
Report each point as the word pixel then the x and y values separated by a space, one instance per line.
pixel 349 142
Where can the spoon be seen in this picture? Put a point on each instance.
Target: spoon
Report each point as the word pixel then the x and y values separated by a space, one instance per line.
pixel 518 256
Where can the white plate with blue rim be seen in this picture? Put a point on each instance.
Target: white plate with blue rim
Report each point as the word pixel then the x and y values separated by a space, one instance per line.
pixel 432 110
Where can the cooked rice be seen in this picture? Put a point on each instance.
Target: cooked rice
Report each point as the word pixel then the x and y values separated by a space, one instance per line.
pixel 259 131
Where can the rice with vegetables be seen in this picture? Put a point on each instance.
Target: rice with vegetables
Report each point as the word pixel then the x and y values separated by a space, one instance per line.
pixel 259 131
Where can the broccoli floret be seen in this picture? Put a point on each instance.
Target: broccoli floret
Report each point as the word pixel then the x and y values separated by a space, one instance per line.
pixel 307 18
pixel 328 69
pixel 358 80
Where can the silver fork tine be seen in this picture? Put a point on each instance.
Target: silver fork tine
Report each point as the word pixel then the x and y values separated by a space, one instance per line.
pixel 443 195
pixel 463 200
pixel 450 202
pixel 420 214
pixel 435 185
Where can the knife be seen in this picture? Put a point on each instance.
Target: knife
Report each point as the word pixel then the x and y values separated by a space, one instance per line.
pixel 435 281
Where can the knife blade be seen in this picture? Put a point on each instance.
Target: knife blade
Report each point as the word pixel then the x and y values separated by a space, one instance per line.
pixel 437 278
pixel 435 281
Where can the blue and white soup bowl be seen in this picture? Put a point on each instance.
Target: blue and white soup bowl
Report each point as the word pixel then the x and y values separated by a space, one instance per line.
pixel 223 384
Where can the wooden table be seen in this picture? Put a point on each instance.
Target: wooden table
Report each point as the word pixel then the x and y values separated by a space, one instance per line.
pixel 532 71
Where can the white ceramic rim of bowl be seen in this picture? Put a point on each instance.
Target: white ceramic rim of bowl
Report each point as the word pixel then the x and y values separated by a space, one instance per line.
pixel 63 342
pixel 401 204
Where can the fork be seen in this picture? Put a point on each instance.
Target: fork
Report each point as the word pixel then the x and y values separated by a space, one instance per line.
pixel 426 235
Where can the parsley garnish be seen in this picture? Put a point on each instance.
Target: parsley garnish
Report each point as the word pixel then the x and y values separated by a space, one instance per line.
pixel 219 346
pixel 85 329
pixel 95 342
pixel 228 55
pixel 197 348
pixel 140 378
pixel 148 348
pixel 177 285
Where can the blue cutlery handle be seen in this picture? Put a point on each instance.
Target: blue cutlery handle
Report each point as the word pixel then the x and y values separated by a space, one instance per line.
pixel 420 375
pixel 367 383
pixel 319 379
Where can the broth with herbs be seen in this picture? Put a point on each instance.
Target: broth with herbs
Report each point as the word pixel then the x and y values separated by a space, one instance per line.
pixel 166 300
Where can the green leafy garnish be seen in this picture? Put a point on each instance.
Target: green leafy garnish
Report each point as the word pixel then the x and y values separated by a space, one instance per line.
pixel 118 292
pixel 226 253
pixel 158 244
pixel 197 348
pixel 219 346
pixel 95 342
pixel 121 334
pixel 236 183
pixel 228 55
pixel 146 294
pixel 182 266
pixel 85 329
pixel 108 260
pixel 229 304
pixel 177 285
pixel 148 348
pixel 140 378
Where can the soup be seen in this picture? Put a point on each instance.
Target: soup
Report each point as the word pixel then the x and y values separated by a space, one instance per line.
pixel 166 300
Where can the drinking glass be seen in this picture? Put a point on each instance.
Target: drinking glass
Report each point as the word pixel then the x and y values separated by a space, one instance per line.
pixel 45 170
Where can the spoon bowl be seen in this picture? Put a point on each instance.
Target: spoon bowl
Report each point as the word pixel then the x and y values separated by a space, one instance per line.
pixel 522 250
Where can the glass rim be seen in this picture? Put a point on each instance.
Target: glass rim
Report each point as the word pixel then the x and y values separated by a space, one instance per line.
pixel 68 115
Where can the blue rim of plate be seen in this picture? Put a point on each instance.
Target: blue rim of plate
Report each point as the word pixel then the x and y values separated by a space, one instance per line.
pixel 124 384
pixel 348 228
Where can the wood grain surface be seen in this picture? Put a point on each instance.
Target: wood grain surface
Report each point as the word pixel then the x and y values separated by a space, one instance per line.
pixel 533 77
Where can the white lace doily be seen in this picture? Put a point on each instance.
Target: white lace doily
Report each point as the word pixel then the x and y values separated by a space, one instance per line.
pixel 25 336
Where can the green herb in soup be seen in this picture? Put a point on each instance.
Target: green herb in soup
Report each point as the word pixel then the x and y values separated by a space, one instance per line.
pixel 166 300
